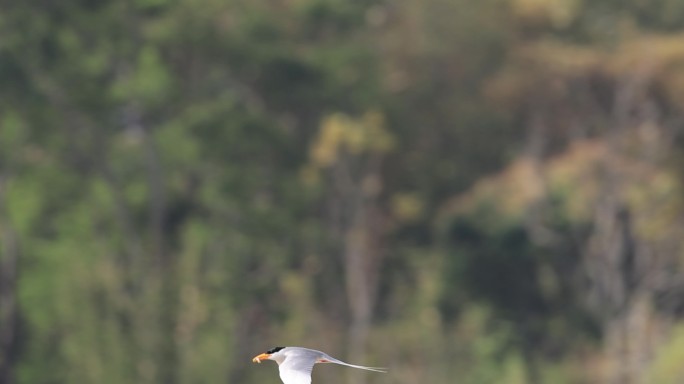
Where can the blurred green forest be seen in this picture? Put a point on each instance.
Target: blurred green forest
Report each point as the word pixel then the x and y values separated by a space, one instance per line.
pixel 465 192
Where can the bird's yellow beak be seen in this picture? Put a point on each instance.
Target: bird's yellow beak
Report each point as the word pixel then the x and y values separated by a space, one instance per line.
pixel 263 356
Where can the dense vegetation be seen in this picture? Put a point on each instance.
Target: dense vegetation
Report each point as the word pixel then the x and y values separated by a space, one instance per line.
pixel 465 191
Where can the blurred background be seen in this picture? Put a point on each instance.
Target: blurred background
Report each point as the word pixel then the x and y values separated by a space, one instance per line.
pixel 463 191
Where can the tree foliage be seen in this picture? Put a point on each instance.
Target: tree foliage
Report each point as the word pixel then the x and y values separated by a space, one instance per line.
pixel 485 190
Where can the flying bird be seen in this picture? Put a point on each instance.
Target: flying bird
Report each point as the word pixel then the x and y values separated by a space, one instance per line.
pixel 295 363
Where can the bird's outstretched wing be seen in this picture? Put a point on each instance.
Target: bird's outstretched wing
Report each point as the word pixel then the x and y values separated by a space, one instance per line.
pixel 292 376
pixel 329 359
pixel 299 362
pixel 296 369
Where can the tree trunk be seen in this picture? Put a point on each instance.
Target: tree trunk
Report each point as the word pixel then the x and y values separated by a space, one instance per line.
pixel 9 309
pixel 356 183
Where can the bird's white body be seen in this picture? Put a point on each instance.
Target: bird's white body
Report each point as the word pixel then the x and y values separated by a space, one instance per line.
pixel 295 363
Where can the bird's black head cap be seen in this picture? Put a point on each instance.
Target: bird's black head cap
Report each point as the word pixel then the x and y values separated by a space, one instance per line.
pixel 274 350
